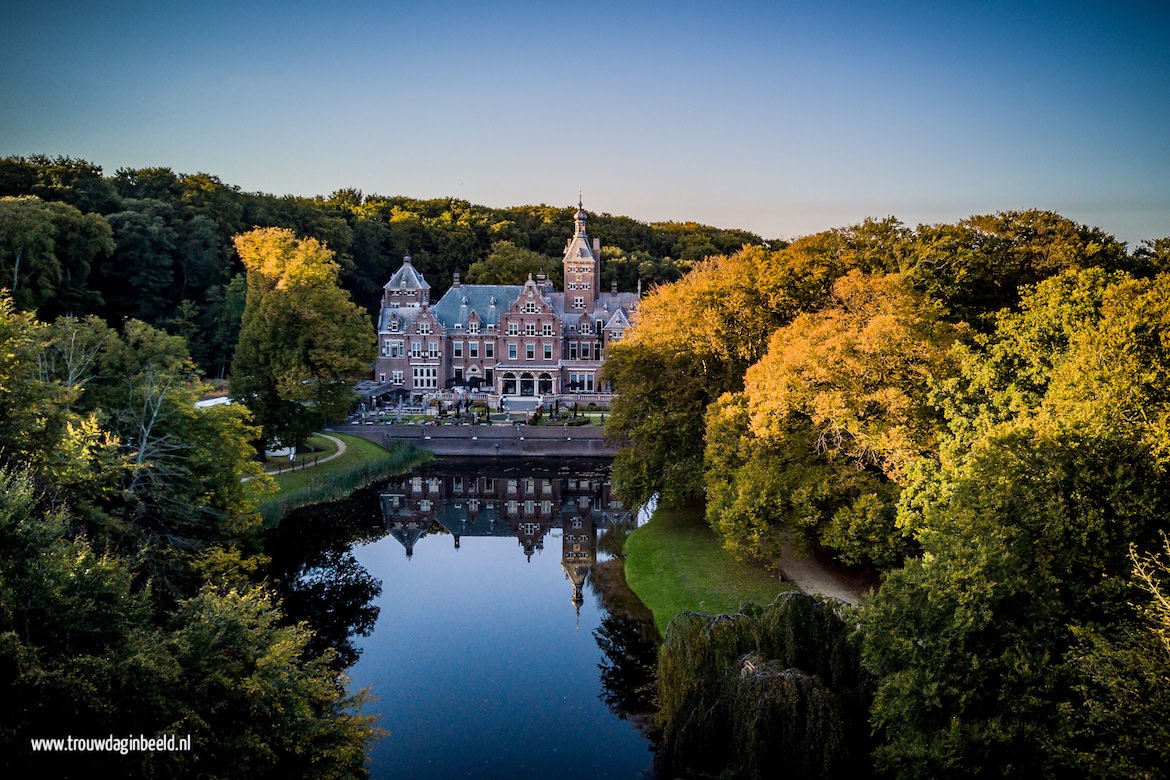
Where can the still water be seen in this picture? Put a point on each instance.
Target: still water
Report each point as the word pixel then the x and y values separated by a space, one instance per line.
pixel 471 602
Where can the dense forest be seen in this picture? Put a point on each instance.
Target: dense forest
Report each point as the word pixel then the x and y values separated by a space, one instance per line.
pixel 978 412
pixel 157 246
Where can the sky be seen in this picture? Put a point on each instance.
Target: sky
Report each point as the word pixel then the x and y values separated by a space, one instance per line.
pixel 783 118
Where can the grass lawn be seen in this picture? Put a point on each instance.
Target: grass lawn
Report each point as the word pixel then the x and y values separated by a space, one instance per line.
pixel 676 564
pixel 363 463
pixel 358 451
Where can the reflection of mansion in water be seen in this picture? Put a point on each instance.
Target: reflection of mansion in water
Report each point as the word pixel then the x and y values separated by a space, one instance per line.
pixel 526 507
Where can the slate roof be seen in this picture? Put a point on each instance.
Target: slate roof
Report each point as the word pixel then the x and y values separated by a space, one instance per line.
pixel 451 311
pixel 407 278
pixel 404 315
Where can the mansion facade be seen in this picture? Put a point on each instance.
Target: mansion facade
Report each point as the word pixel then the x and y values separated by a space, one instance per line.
pixel 524 340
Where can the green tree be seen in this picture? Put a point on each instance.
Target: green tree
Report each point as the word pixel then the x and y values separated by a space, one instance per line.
pixel 302 341
pixel 691 342
pixel 769 690
pixel 138 280
pixel 980 264
pixel 1119 723
pixel 28 263
pixel 511 264
pixel 1024 541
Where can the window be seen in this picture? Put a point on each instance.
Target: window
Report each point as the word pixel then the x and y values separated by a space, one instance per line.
pixel 489 349
pixel 585 350
pixel 396 349
pixel 511 350
pixel 572 350
pixel 382 377
pixel 546 329
pixel 530 307
pixel 424 328
pixel 393 324
pixel 416 349
pixel 529 351
pixel 582 382
pixel 473 349
pixel 548 351
pixel 513 329
pixel 426 377
pixel 530 329
pixel 396 377
pixel 579 302
pixel 457 349
pixel 433 349
pixel 473 328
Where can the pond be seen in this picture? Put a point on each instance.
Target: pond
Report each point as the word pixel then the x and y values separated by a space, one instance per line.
pixel 481 607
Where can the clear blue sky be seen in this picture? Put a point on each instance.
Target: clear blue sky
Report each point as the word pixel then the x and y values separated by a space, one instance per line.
pixel 780 117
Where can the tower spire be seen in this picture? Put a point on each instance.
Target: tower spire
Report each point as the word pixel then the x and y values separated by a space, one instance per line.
pixel 579 217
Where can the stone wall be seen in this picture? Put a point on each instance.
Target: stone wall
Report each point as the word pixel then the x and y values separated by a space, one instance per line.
pixel 492 440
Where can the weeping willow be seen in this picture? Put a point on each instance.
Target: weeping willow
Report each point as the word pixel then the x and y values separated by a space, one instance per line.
pixel 769 692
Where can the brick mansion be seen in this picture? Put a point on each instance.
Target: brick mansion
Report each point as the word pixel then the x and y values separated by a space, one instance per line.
pixel 515 341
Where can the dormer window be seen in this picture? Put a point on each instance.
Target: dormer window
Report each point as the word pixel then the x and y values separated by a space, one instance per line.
pixel 473 327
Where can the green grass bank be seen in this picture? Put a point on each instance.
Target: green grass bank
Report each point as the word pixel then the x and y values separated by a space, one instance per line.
pixel 675 564
pixel 363 463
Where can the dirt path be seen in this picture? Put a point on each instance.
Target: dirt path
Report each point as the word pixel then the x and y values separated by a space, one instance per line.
pixel 814 575
pixel 341 448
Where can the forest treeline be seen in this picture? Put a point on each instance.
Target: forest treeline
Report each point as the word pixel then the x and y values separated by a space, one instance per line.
pixel 154 245
pixel 978 411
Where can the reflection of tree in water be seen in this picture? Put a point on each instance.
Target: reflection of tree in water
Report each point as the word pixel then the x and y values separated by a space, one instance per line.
pixel 628 679
pixel 627 637
pixel 319 580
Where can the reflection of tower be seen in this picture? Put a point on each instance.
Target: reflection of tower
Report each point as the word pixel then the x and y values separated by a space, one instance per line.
pixel 403 523
pixel 410 512
pixel 578 547
pixel 528 507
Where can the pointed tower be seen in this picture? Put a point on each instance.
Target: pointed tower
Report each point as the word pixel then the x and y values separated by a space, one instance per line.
pixel 582 266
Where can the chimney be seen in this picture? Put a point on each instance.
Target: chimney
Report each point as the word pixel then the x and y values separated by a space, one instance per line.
pixel 613 287
pixel 455 281
pixel 597 249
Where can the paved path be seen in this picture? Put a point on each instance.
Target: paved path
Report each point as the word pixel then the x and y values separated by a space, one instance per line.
pixel 341 448
pixel 818 577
